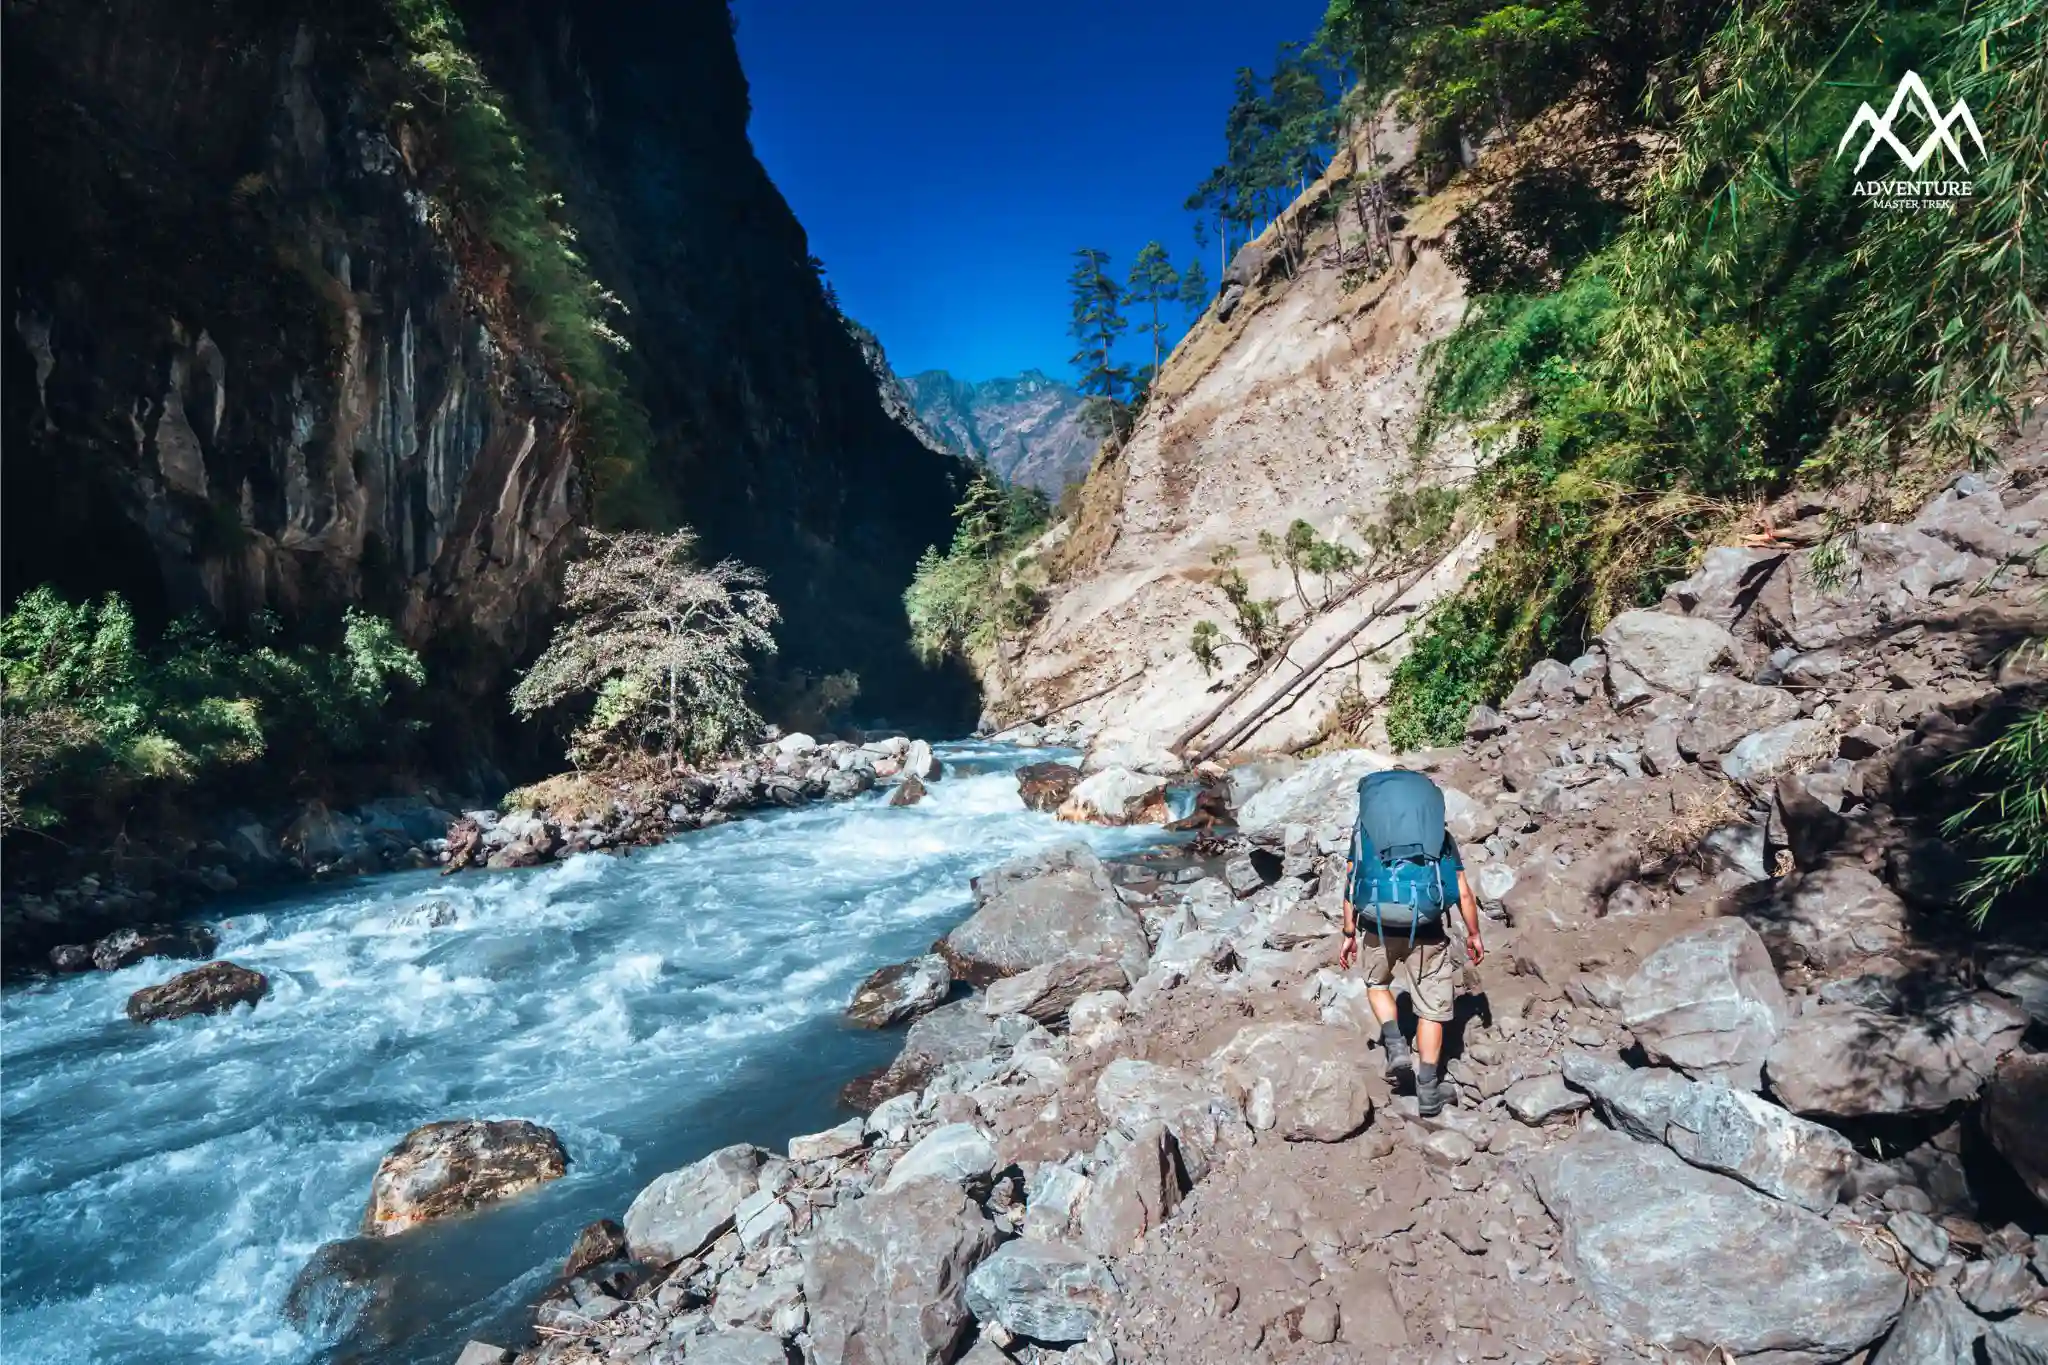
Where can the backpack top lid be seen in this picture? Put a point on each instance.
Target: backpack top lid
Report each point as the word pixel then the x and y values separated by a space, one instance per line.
pixel 1402 812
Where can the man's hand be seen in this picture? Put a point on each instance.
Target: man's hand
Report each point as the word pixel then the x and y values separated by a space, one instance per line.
pixel 1474 949
pixel 1349 953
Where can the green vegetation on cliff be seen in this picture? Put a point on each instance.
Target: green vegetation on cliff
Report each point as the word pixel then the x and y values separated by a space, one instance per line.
pixel 90 718
pixel 962 602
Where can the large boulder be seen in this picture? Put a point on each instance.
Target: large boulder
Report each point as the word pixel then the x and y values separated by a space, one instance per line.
pixel 1851 1061
pixel 2015 1117
pixel 1720 1129
pixel 1309 811
pixel 736 1346
pixel 950 1033
pixel 1671 653
pixel 212 989
pixel 457 1165
pixel 1046 786
pixel 958 1152
pixel 1726 585
pixel 684 1211
pixel 1116 796
pixel 1046 992
pixel 1708 1003
pixel 1889 571
pixel 1041 908
pixel 1832 915
pixel 1758 759
pixel 1679 1256
pixel 901 992
pixel 1202 1117
pixel 1043 1292
pixel 1136 1186
pixel 1728 708
pixel 1316 1074
pixel 885 1276
pixel 1936 1329
pixel 2022 1340
pixel 126 947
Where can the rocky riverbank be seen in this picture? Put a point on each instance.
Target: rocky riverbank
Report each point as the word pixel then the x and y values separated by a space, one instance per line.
pixel 1734 1077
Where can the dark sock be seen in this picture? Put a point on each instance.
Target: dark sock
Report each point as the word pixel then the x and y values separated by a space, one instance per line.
pixel 1390 1033
pixel 1425 1072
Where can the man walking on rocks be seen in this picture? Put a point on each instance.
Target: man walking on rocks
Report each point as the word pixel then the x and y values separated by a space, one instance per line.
pixel 1402 874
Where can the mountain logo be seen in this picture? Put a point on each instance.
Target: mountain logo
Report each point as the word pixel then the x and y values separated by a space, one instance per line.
pixel 1941 127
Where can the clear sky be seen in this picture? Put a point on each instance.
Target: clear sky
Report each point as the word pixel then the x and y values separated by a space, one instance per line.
pixel 947 158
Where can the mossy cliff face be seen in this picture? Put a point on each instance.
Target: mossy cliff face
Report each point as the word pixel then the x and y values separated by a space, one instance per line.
pixel 263 350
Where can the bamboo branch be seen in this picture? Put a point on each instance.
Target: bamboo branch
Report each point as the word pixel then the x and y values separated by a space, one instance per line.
pixel 1043 716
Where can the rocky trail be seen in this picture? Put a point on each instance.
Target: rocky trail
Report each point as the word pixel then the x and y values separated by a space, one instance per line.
pixel 1734 1082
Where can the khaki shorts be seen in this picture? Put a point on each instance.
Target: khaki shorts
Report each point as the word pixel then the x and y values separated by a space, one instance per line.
pixel 1425 966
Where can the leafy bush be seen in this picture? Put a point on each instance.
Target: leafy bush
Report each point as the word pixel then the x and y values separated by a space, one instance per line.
pixel 88 715
pixel 2008 824
pixel 502 187
pixel 961 602
pixel 661 645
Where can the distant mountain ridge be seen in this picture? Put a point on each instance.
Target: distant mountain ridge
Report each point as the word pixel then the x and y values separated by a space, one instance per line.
pixel 1026 427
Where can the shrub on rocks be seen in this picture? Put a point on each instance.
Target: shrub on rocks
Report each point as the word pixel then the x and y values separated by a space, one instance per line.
pixel 458 1165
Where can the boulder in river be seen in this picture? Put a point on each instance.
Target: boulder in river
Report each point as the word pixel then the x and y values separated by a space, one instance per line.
pixel 1116 796
pixel 908 792
pixel 604 1240
pixel 457 1165
pixel 885 1276
pixel 901 992
pixel 126 947
pixel 1678 1256
pixel 686 1210
pixel 212 989
pixel 1045 786
pixel 346 1288
pixel 1043 907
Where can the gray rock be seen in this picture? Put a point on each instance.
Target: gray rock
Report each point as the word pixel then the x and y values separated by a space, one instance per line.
pixel 738 1346
pixel 482 1353
pixel 1136 1186
pixel 1738 848
pixel 1833 915
pixel 1889 569
pixel 1923 1238
pixel 1671 653
pixel 1679 1255
pixel 1046 992
pixel 958 1152
pixel 1053 1198
pixel 1660 747
pixel 1726 709
pixel 1726 583
pixel 1203 1119
pixel 1811 827
pixel 1316 1072
pixel 1055 904
pixel 458 1165
pixel 842 1140
pixel 681 1213
pixel 1759 758
pixel 2015 1117
pixel 1708 1002
pixel 1999 1286
pixel 901 992
pixel 1483 722
pixel 1935 1329
pixel 1043 1292
pixel 2023 978
pixel 1547 679
pixel 1539 1099
pixel 1719 1129
pixel 950 1033
pixel 1309 812
pixel 2017 1341
pixel 1847 1061
pixel 884 1276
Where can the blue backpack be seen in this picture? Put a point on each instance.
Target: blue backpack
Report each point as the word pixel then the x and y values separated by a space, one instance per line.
pixel 1397 848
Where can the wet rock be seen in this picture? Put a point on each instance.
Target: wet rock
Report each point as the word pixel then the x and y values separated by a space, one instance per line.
pixel 901 992
pixel 457 1165
pixel 958 1152
pixel 347 1288
pixel 1833 915
pixel 949 1033
pixel 1202 1118
pixel 1043 1292
pixel 1116 796
pixel 1708 1002
pixel 1046 786
pixel 126 947
pixel 1726 709
pixel 921 763
pixel 884 1276
pixel 1539 1099
pixel 71 957
pixel 1923 1238
pixel 1679 1255
pixel 908 792
pixel 683 1212
pixel 604 1240
pixel 212 989
pixel 1935 1329
pixel 1847 1061
pixel 1759 758
pixel 1051 905
pixel 1670 653
pixel 482 1353
pixel 1136 1186
pixel 2015 1117
pixel 1720 1129
pixel 1046 992
pixel 1318 1079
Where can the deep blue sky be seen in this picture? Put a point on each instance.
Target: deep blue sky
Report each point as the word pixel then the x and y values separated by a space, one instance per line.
pixel 946 158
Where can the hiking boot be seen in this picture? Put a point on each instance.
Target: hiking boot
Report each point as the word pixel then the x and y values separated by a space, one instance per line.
pixel 1400 1058
pixel 1429 1091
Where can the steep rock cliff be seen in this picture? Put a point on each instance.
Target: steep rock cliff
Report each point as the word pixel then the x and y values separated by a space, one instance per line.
pixel 255 359
pixel 1026 427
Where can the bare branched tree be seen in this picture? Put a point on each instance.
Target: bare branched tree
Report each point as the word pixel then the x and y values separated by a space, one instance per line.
pixel 661 642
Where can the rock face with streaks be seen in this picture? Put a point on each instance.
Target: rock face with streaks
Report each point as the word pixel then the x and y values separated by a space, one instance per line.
pixel 885 1278
pixel 458 1165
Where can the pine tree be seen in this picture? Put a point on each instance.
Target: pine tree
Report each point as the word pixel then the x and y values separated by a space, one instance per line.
pixel 1153 282
pixel 1194 289
pixel 1098 320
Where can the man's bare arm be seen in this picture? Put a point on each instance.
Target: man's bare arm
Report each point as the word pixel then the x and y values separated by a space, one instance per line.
pixel 1468 906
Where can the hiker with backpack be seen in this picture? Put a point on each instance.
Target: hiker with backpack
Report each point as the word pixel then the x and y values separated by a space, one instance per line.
pixel 1403 873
